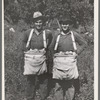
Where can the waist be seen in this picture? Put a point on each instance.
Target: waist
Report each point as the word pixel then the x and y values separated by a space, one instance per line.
pixel 65 48
pixel 65 54
pixel 35 52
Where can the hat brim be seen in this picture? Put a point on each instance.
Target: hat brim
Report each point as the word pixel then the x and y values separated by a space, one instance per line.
pixel 39 18
pixel 66 22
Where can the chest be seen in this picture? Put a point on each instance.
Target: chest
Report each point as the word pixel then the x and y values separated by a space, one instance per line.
pixel 65 40
pixel 37 38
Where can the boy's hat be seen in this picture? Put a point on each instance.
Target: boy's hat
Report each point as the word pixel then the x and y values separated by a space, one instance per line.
pixel 65 20
pixel 38 16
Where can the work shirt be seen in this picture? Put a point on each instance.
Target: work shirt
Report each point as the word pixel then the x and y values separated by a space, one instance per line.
pixel 65 42
pixel 36 41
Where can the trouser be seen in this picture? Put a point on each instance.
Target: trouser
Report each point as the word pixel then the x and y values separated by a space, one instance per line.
pixel 34 83
pixel 64 90
pixel 77 85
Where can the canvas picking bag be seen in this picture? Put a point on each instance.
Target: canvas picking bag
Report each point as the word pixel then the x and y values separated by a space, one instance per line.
pixel 65 65
pixel 35 60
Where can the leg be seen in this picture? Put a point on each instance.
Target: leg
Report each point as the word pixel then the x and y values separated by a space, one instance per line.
pixel 70 93
pixel 58 92
pixel 69 90
pixel 77 85
pixel 43 88
pixel 50 84
pixel 30 87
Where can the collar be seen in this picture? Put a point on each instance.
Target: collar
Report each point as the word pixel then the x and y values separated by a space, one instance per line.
pixel 38 33
pixel 62 33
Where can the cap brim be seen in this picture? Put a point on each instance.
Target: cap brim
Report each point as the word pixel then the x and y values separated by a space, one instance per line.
pixel 66 22
pixel 40 18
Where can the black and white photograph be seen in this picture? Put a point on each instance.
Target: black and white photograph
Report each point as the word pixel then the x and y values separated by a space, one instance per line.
pixel 49 50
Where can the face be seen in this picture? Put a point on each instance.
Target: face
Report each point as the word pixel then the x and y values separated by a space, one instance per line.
pixel 65 27
pixel 38 24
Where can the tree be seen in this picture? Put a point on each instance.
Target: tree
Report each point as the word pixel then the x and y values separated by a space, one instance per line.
pixel 80 11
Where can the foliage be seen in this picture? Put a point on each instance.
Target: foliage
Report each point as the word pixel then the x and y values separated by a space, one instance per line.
pixel 80 11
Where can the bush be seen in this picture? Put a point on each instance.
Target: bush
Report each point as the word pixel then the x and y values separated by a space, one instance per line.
pixel 14 79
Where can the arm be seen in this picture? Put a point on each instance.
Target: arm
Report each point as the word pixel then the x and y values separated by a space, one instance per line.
pixel 48 52
pixel 53 42
pixel 49 40
pixel 80 40
pixel 51 52
pixel 25 39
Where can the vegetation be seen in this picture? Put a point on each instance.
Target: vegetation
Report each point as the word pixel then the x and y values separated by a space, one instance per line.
pixel 80 11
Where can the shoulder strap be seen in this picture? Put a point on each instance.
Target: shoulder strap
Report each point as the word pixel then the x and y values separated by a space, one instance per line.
pixel 29 38
pixel 56 45
pixel 73 40
pixel 44 39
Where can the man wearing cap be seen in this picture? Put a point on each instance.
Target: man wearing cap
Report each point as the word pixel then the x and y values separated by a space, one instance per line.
pixel 35 43
pixel 65 60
